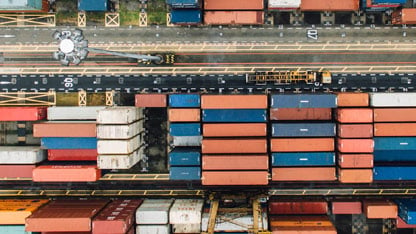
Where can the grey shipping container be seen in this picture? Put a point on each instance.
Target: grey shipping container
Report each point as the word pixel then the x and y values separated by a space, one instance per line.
pixel 303 101
pixel 303 129
pixel 74 112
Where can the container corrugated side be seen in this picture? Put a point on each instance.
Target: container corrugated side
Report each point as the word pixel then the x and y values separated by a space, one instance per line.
pixel 21 154
pixel 184 115
pixel 119 115
pixel 187 140
pixel 73 155
pixel 380 209
pixel 394 114
pixel 234 115
pixel 233 17
pixel 394 143
pixel 184 173
pixel 303 101
pixel 307 207
pixel 22 113
pixel 355 160
pixel 235 178
pixel 234 145
pixel 355 130
pixel 355 175
pixel 233 5
pixel 235 162
pixel 352 99
pixel 16 171
pixel 120 161
pixel 301 144
pixel 394 173
pixel 234 102
pixel 355 145
pixel 119 131
pixel 185 157
pixel 153 211
pixel 303 159
pixel 65 129
pixel 395 155
pixel 392 99
pixel 346 207
pixel 302 174
pixel 150 100
pixel 105 146
pixel 185 129
pixel 74 112
pixel 303 129
pixel 69 142
pixel 185 211
pixel 234 129
pixel 93 5
pixel 73 173
pixel 301 114
pixel 184 100
pixel 152 229
pixel 186 17
pixel 284 4
pixel 330 5
pixel 354 115
pixel 395 129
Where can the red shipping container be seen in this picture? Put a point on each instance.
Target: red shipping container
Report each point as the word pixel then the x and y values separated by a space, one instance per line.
pixel 355 145
pixel 346 207
pixel 355 130
pixel 304 174
pixel 394 114
pixel 72 155
pixel 235 162
pixel 234 129
pixel 233 5
pixel 380 209
pixel 233 17
pixel 300 221
pixel 330 5
pixel 16 171
pixel 301 144
pixel 65 129
pixel 235 178
pixel 23 113
pixel 230 146
pixel 116 218
pixel 284 207
pixel 402 224
pixel 352 99
pixel 395 129
pixel 355 175
pixel 150 100
pixel 304 230
pixel 356 160
pixel 234 101
pixel 355 115
pixel 48 173
pixel 301 114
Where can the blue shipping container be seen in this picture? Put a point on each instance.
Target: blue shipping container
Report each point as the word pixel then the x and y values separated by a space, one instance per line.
pixel 407 210
pixel 14 229
pixel 183 3
pixel 394 143
pixel 389 1
pixel 234 115
pixel 93 5
pixel 303 129
pixel 304 101
pixel 184 100
pixel 394 173
pixel 187 16
pixel 185 173
pixel 69 142
pixel 303 159
pixel 185 157
pixel 185 129
pixel 394 155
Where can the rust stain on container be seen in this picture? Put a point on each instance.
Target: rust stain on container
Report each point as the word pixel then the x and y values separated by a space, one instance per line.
pixel 233 17
pixel 355 145
pixel 329 5
pixel 16 171
pixel 380 209
pixel 14 211
pixel 300 221
pixel 355 115
pixel 150 100
pixel 184 115
pixel 233 5
pixel 235 162
pixel 355 175
pixel 234 101
pixel 395 129
pixel 346 207
pixel 65 129
pixel 352 99
pixel 231 130
pixel 356 160
pixel 301 144
pixel 284 207
pixel 74 173
pixel 221 146
pixel 394 114
pixel 301 114
pixel 235 178
pixel 355 130
pixel 304 174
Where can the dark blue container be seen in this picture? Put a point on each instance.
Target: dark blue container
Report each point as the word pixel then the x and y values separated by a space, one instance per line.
pixel 93 5
pixel 395 155
pixel 394 143
pixel 234 115
pixel 394 173
pixel 303 159
pixel 185 129
pixel 388 1
pixel 407 210
pixel 184 3
pixel 184 100
pixel 185 16
pixel 69 142
pixel 185 173
pixel 304 101
pixel 303 129
pixel 185 157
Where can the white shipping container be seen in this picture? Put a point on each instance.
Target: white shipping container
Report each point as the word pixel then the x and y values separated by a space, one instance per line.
pixel 153 229
pixel 119 115
pixel 186 228
pixel 120 161
pixel 119 146
pixel 154 211
pixel 73 112
pixel 235 222
pixel 392 99
pixel 119 131
pixel 187 140
pixel 21 154
pixel 185 211
pixel 278 4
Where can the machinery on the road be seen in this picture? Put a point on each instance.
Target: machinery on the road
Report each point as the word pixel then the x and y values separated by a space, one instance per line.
pixel 290 77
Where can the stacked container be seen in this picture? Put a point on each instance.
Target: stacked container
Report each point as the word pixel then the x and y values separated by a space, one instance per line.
pixel 120 134
pixel 234 146
pixel 355 138
pixel 153 216
pixel 185 129
pixel 394 135
pixel 303 137
pixel 185 12
pixel 185 216
pixel 233 12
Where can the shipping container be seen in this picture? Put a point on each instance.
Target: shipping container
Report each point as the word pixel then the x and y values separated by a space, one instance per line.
pixel 184 100
pixel 293 207
pixel 301 144
pixel 119 146
pixel 354 115
pixel 184 115
pixel 395 143
pixel 400 224
pixel 303 101
pixel 153 211
pixel 380 209
pixel 185 129
pixel 65 129
pixel 233 17
pixel 223 146
pixel 394 173
pixel 73 155
pixel 184 173
pixel 235 222
pixel 346 207
pixel 69 142
pixel 234 129
pixel 233 5
pixel 394 114
pixel 235 162
pixel 21 154
pixel 186 211
pixel 234 115
pixel 185 157
pixel 301 114
pixel 234 101
pixel 303 129
pixel 15 211
pixel 355 130
pixel 394 155
pixel 395 129
pixel 15 229
pixel 187 140
pixel 184 3
pixel 72 173
pixel 388 1
pixel 404 16
pixel 330 5
pixel 283 4
pixel 65 216
pixel 120 131
pixel 16 171
pixel 407 210
pixel 352 99
pixel 300 221
pixel 24 6
pixel 126 161
pixel 304 230
pixel 116 217
pixel 303 174
pixel 22 113
pixel 355 175
pixel 303 159
pixel 73 112
pixel 119 115
pixel 355 145
pixel 150 99
pixel 355 160
pixel 186 17
pixel 235 178
pixel 392 99
pixel 93 5
pixel 152 229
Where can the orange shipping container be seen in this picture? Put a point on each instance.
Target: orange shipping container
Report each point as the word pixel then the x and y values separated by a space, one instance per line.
pixel 329 5
pixel 231 130
pixel 355 160
pixel 395 129
pixel 235 162
pixel 394 114
pixel 355 175
pixel 300 221
pixel 65 129
pixel 230 146
pixel 14 212
pixel 184 115
pixel 235 178
pixel 304 230
pixel 234 101
pixel 150 100
pixel 355 115
pixel 66 173
pixel 379 209
pixel 355 130
pixel 233 5
pixel 233 17
pixel 352 99
pixel 355 145
pixel 301 144
pixel 304 174
pixel 404 16
pixel 301 114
